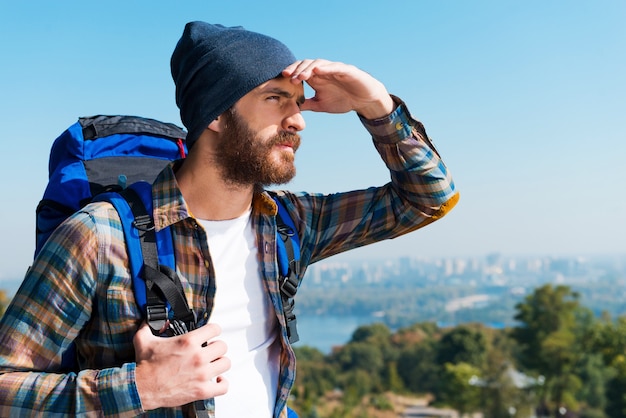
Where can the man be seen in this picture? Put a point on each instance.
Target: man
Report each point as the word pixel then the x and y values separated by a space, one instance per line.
pixel 240 96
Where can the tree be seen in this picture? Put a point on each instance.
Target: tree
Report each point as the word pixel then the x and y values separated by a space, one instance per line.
pixel 504 389
pixel 360 356
pixel 462 344
pixel 551 322
pixel 315 377
pixel 595 375
pixel 616 391
pixel 609 340
pixel 418 368
pixel 377 333
pixel 379 336
pixel 457 391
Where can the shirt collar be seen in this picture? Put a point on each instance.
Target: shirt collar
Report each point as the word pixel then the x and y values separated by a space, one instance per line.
pixel 170 206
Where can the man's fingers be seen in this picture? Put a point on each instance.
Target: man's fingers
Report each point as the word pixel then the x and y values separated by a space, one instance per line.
pixel 295 69
pixel 205 333
pixel 221 386
pixel 304 69
pixel 203 336
pixel 220 366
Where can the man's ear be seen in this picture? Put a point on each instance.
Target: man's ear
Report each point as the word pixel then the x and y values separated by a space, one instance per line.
pixel 216 125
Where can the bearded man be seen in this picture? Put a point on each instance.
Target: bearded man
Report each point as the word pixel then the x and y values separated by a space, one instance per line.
pixel 241 98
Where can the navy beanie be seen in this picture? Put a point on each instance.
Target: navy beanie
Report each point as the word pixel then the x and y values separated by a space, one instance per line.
pixel 213 66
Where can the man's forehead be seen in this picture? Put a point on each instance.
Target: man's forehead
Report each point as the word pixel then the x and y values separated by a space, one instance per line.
pixel 283 86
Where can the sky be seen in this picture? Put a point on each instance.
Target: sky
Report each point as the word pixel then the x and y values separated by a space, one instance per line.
pixel 525 101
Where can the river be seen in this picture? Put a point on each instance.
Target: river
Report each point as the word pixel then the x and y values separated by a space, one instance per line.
pixel 324 331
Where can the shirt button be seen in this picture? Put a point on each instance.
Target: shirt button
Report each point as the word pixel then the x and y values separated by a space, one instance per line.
pixel 267 248
pixel 399 126
pixel 206 263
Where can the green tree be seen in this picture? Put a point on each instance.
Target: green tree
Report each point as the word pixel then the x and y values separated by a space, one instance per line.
pixel 503 388
pixel 463 344
pixel 418 368
pixel 616 390
pixel 548 340
pixel 376 333
pixel 609 339
pixel 356 384
pixel 595 376
pixel 315 377
pixel 360 356
pixel 416 364
pixel 457 390
pixel 393 380
pixel 379 336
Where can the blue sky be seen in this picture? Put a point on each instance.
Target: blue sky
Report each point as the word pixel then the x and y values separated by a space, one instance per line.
pixel 525 101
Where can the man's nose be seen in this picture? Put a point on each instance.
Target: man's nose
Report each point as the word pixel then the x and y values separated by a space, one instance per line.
pixel 295 121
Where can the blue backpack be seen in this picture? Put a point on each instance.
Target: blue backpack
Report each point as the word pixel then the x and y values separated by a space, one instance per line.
pixel 115 159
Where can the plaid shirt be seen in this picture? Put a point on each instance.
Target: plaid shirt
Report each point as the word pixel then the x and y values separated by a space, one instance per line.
pixel 78 291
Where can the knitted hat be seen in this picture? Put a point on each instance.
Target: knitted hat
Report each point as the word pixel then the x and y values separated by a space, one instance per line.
pixel 213 66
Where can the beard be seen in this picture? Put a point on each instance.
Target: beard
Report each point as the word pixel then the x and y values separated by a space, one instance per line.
pixel 246 159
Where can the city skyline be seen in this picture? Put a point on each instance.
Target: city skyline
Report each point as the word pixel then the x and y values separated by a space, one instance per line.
pixel 524 101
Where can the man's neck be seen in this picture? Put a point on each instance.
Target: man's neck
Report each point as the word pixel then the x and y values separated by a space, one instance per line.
pixel 208 196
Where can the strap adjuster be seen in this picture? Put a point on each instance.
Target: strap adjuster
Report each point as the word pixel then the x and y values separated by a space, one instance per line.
pixel 156 316
pixel 143 223
pixel 289 287
pixel 292 330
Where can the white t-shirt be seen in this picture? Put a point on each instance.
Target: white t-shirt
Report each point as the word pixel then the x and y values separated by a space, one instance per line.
pixel 245 313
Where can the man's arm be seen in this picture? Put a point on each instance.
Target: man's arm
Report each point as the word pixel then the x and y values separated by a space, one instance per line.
pixel 421 188
pixel 43 323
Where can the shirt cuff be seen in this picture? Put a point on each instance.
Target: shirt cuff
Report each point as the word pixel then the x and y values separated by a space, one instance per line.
pixel 118 393
pixel 394 127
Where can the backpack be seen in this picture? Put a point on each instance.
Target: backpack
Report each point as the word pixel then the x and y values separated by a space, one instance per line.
pixel 115 159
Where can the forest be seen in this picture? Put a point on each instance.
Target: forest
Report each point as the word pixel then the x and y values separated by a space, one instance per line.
pixel 559 360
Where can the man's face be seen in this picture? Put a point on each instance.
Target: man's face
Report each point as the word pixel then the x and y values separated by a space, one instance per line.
pixel 259 137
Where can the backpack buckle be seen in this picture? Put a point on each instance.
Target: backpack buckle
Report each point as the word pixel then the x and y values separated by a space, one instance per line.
pixel 289 287
pixel 143 223
pixel 157 316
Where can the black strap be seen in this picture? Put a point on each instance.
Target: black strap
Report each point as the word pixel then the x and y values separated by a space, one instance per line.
pixel 162 283
pixel 291 281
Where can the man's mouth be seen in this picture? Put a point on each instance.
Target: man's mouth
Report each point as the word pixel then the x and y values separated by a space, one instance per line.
pixel 287 141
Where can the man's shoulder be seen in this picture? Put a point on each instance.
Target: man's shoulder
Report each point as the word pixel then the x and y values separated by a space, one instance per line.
pixel 96 221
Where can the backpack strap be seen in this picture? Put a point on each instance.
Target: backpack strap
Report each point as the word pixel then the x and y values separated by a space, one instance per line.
pixel 288 250
pixel 161 290
pixel 156 285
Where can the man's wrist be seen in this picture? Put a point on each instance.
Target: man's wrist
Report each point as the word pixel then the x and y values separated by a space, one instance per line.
pixel 394 126
pixel 378 109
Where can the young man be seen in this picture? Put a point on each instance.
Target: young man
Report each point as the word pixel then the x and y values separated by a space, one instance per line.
pixel 240 96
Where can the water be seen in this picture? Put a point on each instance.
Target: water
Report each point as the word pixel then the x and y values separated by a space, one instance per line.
pixel 324 331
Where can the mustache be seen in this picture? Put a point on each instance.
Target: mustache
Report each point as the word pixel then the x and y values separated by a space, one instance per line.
pixel 286 138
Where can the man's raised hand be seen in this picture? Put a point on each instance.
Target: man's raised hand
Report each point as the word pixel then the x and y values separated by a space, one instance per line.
pixel 340 88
